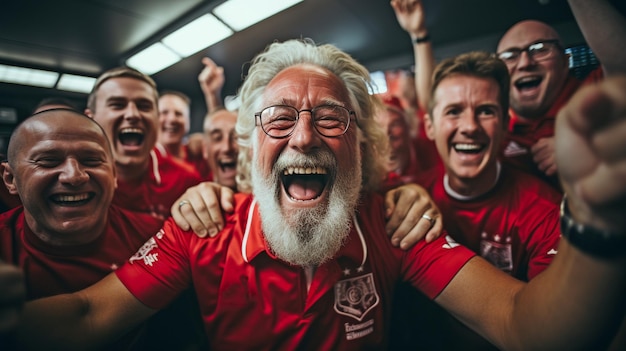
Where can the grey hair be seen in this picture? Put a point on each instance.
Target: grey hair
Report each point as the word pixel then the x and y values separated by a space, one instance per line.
pixel 279 56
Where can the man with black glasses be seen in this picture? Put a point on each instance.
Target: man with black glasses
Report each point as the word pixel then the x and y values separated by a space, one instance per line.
pixel 541 82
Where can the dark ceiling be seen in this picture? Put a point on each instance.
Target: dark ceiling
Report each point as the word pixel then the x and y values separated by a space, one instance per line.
pixel 89 36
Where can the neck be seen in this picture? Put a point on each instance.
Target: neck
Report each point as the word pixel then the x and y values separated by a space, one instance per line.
pixel 65 239
pixel 471 188
pixel 130 172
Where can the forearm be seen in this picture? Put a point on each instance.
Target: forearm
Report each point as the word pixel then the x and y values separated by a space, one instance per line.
pixel 213 100
pixel 424 67
pixel 83 320
pixel 603 27
pixel 576 303
pixel 57 322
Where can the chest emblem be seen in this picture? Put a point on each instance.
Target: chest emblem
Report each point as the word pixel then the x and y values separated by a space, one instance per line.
pixel 354 297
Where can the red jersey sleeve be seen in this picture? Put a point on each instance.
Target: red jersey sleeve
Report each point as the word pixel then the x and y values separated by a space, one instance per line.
pixel 160 270
pixel 543 243
pixel 431 267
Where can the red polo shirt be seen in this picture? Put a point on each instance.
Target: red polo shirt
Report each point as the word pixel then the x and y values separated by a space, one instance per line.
pixel 249 299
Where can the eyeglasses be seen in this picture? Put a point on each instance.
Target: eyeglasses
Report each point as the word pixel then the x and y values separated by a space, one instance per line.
pixel 279 121
pixel 538 51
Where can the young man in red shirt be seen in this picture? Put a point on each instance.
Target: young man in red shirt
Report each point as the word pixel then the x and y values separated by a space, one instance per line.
pixel 124 102
pixel 507 216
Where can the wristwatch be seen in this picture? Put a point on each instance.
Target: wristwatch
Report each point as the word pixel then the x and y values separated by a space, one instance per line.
pixel 594 241
pixel 424 39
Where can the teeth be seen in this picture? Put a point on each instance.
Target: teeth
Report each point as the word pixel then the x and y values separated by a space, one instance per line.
pixel 304 170
pixel 72 198
pixel 467 146
pixel 131 130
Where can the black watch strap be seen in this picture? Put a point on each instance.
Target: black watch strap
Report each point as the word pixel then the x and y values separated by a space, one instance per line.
pixel 424 39
pixel 594 241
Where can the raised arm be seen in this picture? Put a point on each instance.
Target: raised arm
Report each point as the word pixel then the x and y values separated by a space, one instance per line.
pixel 578 302
pixel 410 15
pixel 211 80
pixel 604 29
pixel 84 320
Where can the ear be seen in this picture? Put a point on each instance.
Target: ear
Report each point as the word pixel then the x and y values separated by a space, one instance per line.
pixel 8 178
pixel 429 127
pixel 88 113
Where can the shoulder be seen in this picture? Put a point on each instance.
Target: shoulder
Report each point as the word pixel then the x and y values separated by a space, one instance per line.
pixel 594 76
pixel 10 215
pixel 129 220
pixel 171 166
pixel 530 187
pixel 242 205
pixel 370 202
pixel 430 178
pixel 12 221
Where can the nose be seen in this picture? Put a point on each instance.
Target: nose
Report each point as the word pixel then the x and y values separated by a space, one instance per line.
pixel 131 111
pixel 468 123
pixel 525 60
pixel 304 136
pixel 230 143
pixel 73 173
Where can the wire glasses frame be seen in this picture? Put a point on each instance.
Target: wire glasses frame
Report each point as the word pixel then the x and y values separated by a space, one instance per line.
pixel 279 121
pixel 538 51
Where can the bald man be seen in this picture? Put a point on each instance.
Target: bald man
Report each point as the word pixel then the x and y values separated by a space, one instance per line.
pixel 541 83
pixel 540 78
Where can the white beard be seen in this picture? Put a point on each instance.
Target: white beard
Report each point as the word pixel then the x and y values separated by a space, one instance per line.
pixel 307 237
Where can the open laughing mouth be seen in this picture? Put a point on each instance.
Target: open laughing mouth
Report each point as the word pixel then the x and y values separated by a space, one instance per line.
pixel 131 136
pixel 467 148
pixel 528 83
pixel 72 200
pixel 304 183
pixel 227 166
pixel 172 129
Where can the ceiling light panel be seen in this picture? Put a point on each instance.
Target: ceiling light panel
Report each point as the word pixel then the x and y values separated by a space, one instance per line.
pixel 197 35
pixel 240 14
pixel 28 76
pixel 153 59
pixel 79 84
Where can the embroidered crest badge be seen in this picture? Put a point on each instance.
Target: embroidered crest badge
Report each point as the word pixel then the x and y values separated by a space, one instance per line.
pixel 354 297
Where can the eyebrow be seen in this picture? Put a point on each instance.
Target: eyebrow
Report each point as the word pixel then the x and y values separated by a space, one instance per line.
pixel 324 101
pixel 490 105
